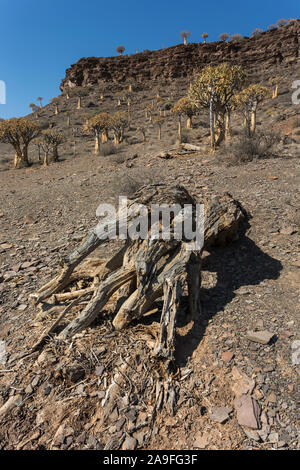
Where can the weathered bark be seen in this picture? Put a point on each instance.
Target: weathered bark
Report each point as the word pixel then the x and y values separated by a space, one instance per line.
pixel 220 130
pixel 104 136
pixel 253 122
pixel 212 123
pixel 55 155
pixel 97 143
pixel 228 125
pixel 165 345
pixel 179 131
pixel 144 270
pixel 159 133
pixel 21 158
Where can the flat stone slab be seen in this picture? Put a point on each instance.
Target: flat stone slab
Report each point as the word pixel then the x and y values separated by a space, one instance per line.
pixel 220 414
pixel 262 337
pixel 248 412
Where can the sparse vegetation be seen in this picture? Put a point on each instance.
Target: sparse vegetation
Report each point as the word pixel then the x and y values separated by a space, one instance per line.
pixel 247 148
pixel 185 35
pixel 40 99
pixel 282 22
pixel 159 120
pixel 50 140
pixel 248 101
pixel 185 106
pixel 224 37
pixel 236 38
pixel 120 49
pixel 119 122
pixel 98 124
pixel 256 33
pixel 19 132
pixel 204 37
pixel 214 89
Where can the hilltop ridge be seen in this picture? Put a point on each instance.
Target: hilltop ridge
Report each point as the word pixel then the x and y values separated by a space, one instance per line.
pixel 272 49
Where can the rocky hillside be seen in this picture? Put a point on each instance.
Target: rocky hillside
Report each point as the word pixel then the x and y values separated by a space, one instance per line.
pixel 238 363
pixel 262 55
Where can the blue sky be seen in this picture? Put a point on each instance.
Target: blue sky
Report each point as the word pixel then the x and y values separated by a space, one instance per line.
pixel 39 39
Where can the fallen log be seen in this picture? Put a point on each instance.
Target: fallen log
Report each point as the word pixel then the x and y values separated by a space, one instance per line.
pixel 147 269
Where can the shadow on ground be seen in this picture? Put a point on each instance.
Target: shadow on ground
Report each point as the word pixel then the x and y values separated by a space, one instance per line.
pixel 240 264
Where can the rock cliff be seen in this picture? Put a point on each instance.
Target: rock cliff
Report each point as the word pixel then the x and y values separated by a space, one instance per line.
pixel 262 56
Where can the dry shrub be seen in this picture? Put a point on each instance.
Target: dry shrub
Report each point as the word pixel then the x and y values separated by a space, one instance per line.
pixel 108 149
pixel 126 183
pixel 246 149
pixel 185 136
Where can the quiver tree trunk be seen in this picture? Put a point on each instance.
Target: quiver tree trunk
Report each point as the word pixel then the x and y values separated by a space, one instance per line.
pixel 228 125
pixel 104 136
pixel 144 270
pixel 179 129
pixel 97 143
pixel 159 133
pixel 220 129
pixel 21 158
pixel 212 118
pixel 46 158
pixel 252 122
pixel 55 155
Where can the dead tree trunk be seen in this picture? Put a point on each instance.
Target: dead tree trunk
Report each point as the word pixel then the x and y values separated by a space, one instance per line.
pixel 145 270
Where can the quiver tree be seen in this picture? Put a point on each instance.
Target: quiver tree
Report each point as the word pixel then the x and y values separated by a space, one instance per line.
pixel 40 99
pixel 120 50
pixel 145 269
pixel 159 120
pixel 214 89
pixel 127 97
pixel 236 38
pixel 19 132
pixel 185 35
pixel 79 92
pixel 55 101
pixel 98 124
pixel 119 122
pixel 248 100
pixel 282 22
pixel 275 82
pixel 53 139
pixel 185 106
pixel 257 32
pixel 48 142
pixel 45 146
pixel 224 37
pixel 33 107
pixel 204 36
pixel 143 132
pixel 68 116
